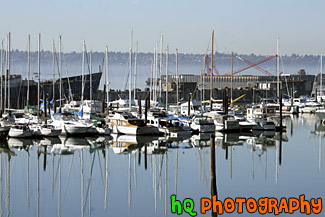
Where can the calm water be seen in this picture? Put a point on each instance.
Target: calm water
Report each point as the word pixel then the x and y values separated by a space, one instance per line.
pixel 113 176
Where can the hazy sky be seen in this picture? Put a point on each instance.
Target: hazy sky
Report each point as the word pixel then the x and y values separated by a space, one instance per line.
pixel 242 26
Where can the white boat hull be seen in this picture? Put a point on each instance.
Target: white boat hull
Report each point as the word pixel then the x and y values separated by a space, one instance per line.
pixel 74 129
pixel 20 133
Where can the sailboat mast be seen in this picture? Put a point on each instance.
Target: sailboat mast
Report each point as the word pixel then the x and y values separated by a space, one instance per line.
pixel 39 76
pixel 177 81
pixel 161 65
pixel 1 100
pixel 151 81
pixel 83 71
pixel 211 73
pixel 154 76
pixel 156 73
pixel 53 62
pixel 232 71
pixel 130 78
pixel 28 70
pixel 6 78
pixel 130 70
pixel 321 77
pixel 90 76
pixel 277 68
pixel 60 68
pixel 9 60
pixel 167 49
pixel 106 76
pixel 135 70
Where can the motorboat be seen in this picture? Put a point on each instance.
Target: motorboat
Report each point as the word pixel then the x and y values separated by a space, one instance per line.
pixel 310 107
pixel 259 117
pixel 69 124
pixel 165 124
pixel 20 131
pixel 125 123
pixel 244 124
pixel 203 124
pixel 224 122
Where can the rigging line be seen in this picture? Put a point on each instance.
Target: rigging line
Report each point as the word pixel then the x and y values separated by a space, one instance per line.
pixel 284 76
pixel 91 172
pixel 90 74
pixel 161 165
pixel 101 172
pixel 56 174
pixel 56 60
pixel 66 187
pixel 66 68
pixel 21 81
pixel 125 79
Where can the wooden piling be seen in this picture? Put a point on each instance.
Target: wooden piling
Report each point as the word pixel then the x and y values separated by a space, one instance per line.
pixel 139 104
pixel 280 149
pixel 189 106
pixel 146 110
pixel 223 100
pixel 226 97
pixel 139 156
pixel 227 152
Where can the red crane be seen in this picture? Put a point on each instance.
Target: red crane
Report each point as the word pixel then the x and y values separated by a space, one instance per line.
pixel 207 62
pixel 253 64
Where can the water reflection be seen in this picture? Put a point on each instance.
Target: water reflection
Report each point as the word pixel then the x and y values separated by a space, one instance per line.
pixel 134 176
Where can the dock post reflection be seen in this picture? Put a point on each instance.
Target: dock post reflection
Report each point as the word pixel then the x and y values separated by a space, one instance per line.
pixel 82 182
pixel 1 186
pixel 276 164
pixel 213 184
pixel 139 156
pixel 280 149
pixel 44 162
pixel 320 153
pixel 106 175
pixel 176 172
pixel 166 183
pixel 90 170
pixel 135 170
pixel 59 194
pixel 129 186
pixel 212 166
pixel 145 157
pixel 38 188
pixel 28 204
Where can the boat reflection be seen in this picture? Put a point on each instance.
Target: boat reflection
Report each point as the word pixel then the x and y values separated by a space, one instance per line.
pixel 46 141
pixel 20 143
pixel 124 144
pixel 4 148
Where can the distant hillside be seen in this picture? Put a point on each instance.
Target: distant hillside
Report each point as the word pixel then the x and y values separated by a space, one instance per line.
pixel 119 58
